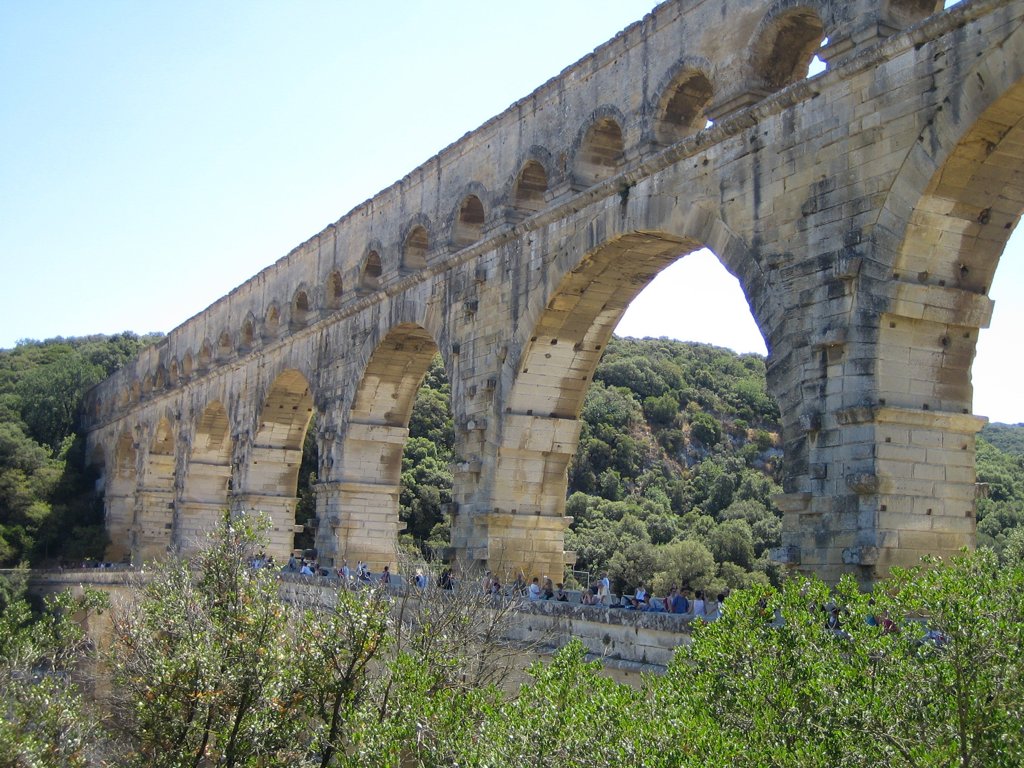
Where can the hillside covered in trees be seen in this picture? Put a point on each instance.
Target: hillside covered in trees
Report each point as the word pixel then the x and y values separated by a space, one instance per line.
pixel 679 456
pixel 678 459
pixel 47 506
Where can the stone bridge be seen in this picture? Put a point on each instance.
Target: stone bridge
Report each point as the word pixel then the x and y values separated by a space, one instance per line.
pixel 863 211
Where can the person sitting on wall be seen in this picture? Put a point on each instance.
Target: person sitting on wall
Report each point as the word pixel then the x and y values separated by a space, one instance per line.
pixel 656 605
pixel 560 595
pixel 549 590
pixel 305 570
pixel 534 591
pixel 519 585
pixel 639 599
pixel 589 596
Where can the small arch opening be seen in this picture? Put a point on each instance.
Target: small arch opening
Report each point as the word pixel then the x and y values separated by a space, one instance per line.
pixel 905 13
pixel 334 290
pixel 469 225
pixel 300 309
pixel 531 188
pixel 224 346
pixel 205 355
pixel 788 48
pixel 372 271
pixel 601 152
pixel 187 365
pixel 173 373
pixel 272 322
pixel 248 335
pixel 681 112
pixel 414 255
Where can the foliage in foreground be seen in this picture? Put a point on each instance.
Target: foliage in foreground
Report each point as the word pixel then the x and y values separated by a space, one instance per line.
pixel 46 722
pixel 212 668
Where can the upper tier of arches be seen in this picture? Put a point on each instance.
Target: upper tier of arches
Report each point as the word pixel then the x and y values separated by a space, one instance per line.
pixel 473 189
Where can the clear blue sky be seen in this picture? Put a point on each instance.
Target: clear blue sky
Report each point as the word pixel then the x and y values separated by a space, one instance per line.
pixel 154 155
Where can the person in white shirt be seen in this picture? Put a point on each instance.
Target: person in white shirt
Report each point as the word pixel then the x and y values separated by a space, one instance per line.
pixel 534 592
pixel 640 598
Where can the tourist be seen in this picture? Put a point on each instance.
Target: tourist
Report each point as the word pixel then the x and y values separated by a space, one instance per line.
pixel 560 595
pixel 604 589
pixel 305 570
pixel 698 605
pixel 678 602
pixel 534 592
pixel 639 599
pixel 385 577
pixel 519 585
pixel 447 582
pixel 549 590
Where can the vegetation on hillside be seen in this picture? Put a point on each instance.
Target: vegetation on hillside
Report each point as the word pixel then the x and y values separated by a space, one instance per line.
pixel 672 480
pixel 47 508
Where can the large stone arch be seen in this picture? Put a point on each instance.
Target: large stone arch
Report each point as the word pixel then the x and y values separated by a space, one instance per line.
pixel 358 504
pixel 564 333
pixel 120 482
pixel 207 478
pixel 154 502
pixel 268 477
pixel 947 221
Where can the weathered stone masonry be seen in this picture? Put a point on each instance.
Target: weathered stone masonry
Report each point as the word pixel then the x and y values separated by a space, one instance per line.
pixel 863 212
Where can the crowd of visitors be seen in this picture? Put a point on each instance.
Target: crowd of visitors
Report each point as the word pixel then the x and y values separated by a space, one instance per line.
pixel 684 602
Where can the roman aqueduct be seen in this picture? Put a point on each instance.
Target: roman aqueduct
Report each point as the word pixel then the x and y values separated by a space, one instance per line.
pixel 863 211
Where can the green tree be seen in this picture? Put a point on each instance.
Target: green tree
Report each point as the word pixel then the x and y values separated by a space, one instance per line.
pixel 203 661
pixel 46 721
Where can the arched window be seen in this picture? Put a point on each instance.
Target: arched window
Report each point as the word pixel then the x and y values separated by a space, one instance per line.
pixel 601 152
pixel 904 13
pixel 785 50
pixel 414 255
pixel 272 322
pixel 470 222
pixel 205 355
pixel 248 335
pixel 681 112
pixel 334 290
pixel 369 280
pixel 300 309
pixel 531 188
pixel 224 346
